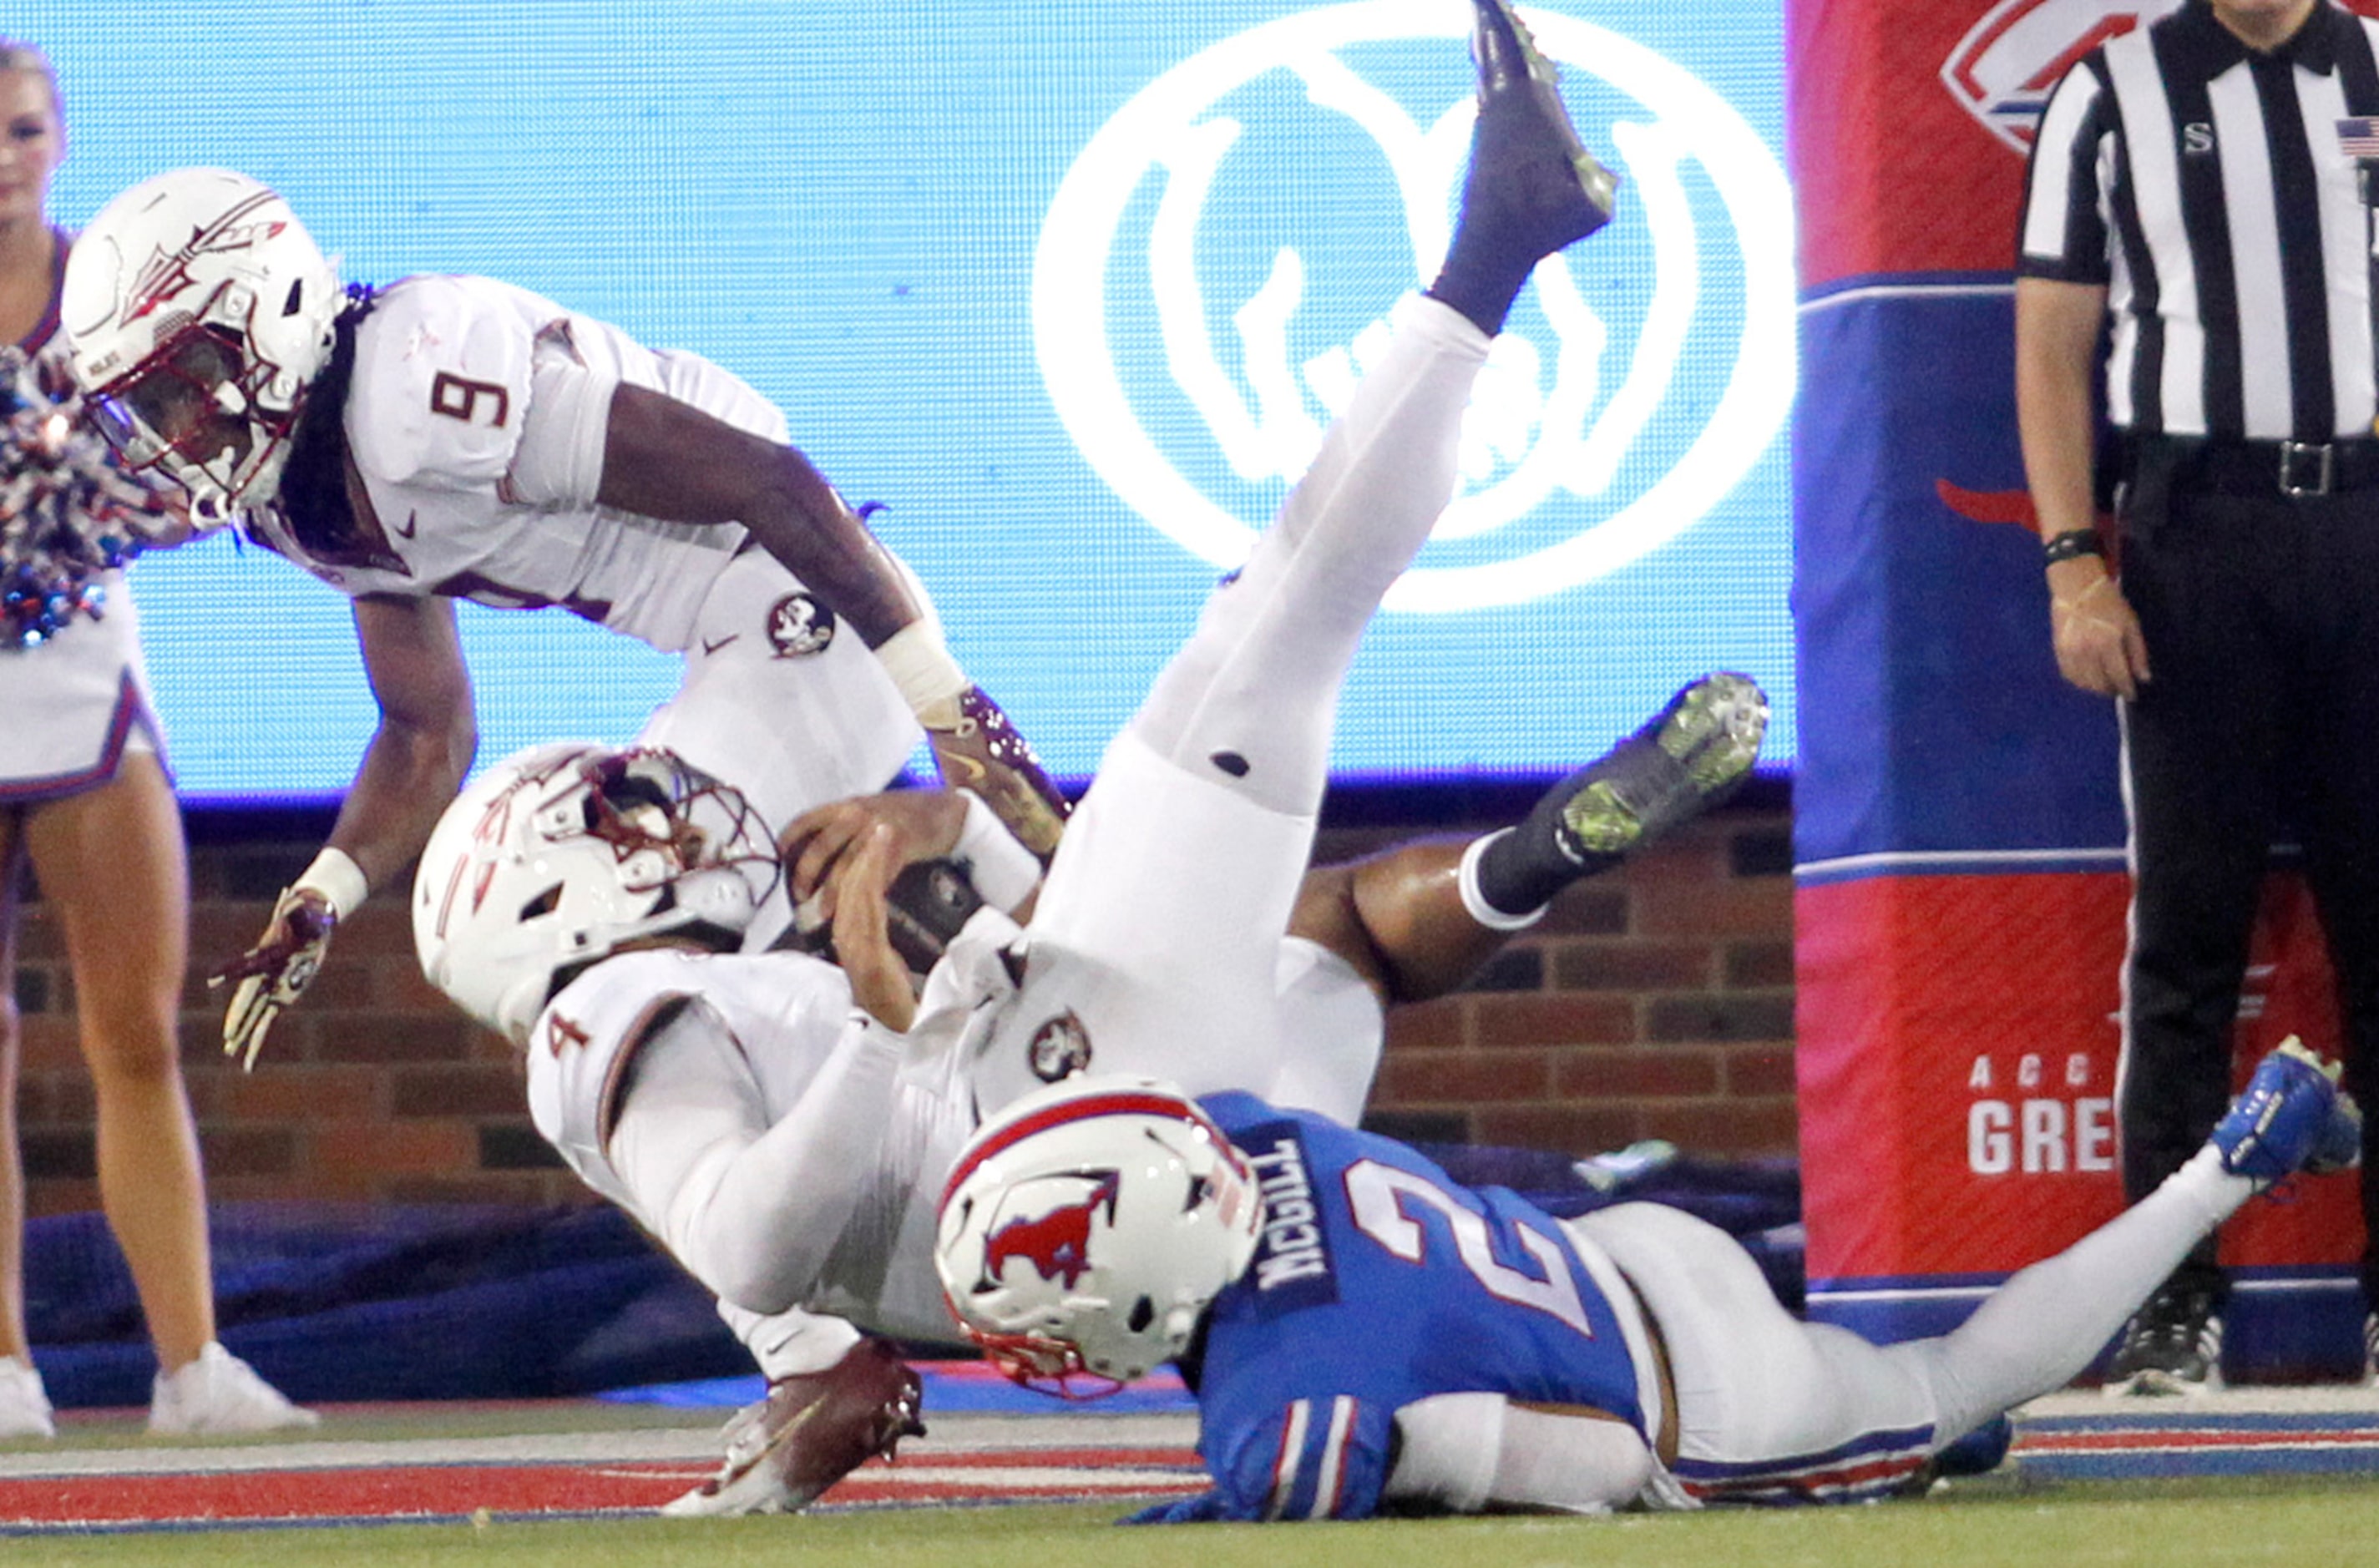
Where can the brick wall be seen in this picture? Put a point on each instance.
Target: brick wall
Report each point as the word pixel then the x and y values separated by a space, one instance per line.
pixel 1654 1002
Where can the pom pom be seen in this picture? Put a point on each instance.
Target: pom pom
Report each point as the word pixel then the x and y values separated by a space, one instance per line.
pixel 69 514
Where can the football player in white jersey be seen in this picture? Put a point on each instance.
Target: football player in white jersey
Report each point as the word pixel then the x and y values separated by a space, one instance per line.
pixel 783 1125
pixel 454 437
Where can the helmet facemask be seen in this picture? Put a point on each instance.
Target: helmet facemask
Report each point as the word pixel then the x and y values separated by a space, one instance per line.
pixel 564 855
pixel 677 833
pixel 193 412
pixel 197 311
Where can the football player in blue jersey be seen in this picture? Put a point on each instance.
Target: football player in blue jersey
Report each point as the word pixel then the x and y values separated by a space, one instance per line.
pixel 1367 1336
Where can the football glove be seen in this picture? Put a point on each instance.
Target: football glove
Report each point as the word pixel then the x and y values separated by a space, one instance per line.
pixel 275 973
pixel 978 750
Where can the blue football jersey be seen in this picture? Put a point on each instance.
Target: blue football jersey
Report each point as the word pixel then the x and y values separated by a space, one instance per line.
pixel 1379 1281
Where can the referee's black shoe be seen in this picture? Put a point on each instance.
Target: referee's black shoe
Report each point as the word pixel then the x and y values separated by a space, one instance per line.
pixel 2173 1345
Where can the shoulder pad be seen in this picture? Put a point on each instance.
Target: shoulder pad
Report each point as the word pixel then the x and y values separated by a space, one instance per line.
pixel 442 380
pixel 582 1044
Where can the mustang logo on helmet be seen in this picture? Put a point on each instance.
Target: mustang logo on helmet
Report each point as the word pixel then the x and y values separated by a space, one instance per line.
pixel 1057 1243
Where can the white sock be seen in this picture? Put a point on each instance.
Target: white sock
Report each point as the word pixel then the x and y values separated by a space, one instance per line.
pixel 1475 901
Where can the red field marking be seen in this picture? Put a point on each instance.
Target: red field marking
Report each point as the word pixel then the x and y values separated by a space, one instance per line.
pixel 392 1491
pixel 328 1491
pixel 434 1492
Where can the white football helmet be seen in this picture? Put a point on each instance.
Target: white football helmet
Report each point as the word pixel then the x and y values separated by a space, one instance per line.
pixel 1086 1226
pixel 197 311
pixel 558 855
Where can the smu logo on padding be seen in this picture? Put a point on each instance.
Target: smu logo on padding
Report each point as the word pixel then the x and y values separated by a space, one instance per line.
pixel 2002 70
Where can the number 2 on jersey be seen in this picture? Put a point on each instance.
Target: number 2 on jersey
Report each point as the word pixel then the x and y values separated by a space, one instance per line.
pixel 1374 1191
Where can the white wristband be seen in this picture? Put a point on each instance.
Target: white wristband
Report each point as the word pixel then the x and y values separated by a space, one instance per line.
pixel 1474 903
pixel 921 668
pixel 336 876
pixel 1002 870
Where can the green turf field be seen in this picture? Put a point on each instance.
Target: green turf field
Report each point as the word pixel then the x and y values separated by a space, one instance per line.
pixel 2302 1522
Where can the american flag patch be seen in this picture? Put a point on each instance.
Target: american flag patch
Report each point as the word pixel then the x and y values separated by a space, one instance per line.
pixel 2359 137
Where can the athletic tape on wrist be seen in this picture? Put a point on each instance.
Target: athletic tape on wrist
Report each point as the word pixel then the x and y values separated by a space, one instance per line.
pixel 336 876
pixel 1002 870
pixel 921 668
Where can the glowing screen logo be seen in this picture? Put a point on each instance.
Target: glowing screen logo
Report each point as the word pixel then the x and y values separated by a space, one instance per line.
pixel 1570 411
pixel 1073 288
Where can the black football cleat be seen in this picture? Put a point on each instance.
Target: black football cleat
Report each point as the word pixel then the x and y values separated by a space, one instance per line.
pixel 2172 1345
pixel 1531 180
pixel 1685 759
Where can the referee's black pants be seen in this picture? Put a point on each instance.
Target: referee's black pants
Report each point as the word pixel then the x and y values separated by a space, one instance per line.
pixel 2260 720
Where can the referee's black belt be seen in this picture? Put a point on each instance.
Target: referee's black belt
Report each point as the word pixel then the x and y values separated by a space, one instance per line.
pixel 2199 466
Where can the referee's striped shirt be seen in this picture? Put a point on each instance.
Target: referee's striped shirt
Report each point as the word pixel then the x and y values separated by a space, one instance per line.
pixel 2202 184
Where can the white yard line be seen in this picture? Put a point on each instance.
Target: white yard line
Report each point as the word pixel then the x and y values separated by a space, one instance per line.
pixel 947 1435
pixel 2260 1399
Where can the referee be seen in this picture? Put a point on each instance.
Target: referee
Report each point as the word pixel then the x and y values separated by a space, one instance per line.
pixel 2193 227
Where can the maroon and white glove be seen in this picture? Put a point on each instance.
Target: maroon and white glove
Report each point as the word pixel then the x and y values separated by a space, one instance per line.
pixel 275 973
pixel 809 1433
pixel 975 746
pixel 978 750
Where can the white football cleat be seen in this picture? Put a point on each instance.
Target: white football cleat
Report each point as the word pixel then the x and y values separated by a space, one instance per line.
pixel 808 1432
pixel 220 1396
pixel 24 1404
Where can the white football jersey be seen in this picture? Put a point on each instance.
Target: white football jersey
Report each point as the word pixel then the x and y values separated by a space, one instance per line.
pixel 778 1018
pixel 478 416
pixel 769 1027
pixel 437 417
pixel 783 1018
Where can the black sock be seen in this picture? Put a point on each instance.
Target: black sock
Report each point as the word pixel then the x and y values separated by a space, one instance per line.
pixel 1520 872
pixel 1482 287
pixel 1524 206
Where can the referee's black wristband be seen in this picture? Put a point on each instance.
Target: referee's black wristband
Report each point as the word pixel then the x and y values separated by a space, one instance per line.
pixel 2071 543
